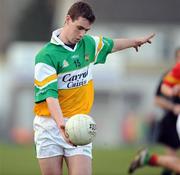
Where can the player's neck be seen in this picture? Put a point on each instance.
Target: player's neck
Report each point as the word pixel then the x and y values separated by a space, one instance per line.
pixel 63 36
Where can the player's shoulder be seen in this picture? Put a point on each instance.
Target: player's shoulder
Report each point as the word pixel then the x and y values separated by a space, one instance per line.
pixel 177 66
pixel 44 53
pixel 176 70
pixel 88 38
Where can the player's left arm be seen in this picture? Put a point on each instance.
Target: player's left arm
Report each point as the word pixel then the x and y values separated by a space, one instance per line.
pixel 123 43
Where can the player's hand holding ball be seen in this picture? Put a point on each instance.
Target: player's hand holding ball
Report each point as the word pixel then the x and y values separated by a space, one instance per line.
pixel 80 129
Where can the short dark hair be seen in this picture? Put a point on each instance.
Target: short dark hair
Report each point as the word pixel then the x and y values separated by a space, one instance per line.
pixel 81 9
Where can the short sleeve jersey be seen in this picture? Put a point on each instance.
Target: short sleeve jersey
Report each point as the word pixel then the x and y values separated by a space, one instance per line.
pixel 65 73
pixel 173 77
pixel 158 91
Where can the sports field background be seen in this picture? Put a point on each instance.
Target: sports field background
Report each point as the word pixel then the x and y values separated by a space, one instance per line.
pixel 124 98
pixel 124 86
pixel 20 160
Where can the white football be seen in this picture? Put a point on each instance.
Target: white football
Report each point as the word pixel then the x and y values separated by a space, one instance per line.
pixel 81 129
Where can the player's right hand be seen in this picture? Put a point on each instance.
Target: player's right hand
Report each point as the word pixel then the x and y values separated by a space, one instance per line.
pixel 65 136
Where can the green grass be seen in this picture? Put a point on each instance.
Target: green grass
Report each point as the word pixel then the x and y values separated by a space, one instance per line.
pixel 20 160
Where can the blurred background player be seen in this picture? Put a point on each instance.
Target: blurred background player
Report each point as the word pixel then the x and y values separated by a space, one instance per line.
pixel 167 133
pixel 171 88
pixel 144 158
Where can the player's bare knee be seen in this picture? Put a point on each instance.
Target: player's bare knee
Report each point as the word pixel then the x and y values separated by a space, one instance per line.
pixel 52 173
pixel 81 173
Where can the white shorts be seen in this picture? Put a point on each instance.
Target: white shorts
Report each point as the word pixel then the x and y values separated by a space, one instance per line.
pixel 178 126
pixel 49 141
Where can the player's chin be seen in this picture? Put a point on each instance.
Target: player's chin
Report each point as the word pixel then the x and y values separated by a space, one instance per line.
pixel 73 42
pixel 77 40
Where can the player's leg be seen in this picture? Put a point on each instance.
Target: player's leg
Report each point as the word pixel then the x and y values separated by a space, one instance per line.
pixel 166 140
pixel 141 159
pixel 79 159
pixel 51 166
pixel 170 162
pixel 49 146
pixel 79 165
pixel 178 126
pixel 170 152
pixel 168 137
pixel 144 158
pixel 178 130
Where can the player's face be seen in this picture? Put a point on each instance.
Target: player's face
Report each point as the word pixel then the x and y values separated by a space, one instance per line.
pixel 178 56
pixel 77 29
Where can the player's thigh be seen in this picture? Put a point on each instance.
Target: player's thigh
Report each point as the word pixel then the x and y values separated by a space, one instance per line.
pixel 178 126
pixel 51 165
pixel 79 165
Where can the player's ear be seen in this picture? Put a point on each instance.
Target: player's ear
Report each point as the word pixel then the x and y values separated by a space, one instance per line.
pixel 68 19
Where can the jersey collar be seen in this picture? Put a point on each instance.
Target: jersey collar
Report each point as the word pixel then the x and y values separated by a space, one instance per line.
pixel 57 41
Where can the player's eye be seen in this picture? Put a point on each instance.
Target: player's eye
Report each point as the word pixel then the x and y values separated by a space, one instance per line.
pixel 82 28
pixel 86 30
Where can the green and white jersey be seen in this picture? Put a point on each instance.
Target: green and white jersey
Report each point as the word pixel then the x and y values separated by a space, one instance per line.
pixel 65 73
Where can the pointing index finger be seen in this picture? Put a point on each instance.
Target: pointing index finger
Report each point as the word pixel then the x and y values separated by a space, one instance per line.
pixel 151 36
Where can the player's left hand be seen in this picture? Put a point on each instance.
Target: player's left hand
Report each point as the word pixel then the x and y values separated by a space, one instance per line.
pixel 142 40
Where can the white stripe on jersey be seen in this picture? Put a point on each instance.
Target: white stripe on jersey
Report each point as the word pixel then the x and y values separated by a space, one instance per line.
pixel 42 71
pixel 41 87
pixel 75 78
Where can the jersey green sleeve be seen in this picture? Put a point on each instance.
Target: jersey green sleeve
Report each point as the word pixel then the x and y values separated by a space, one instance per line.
pixel 45 83
pixel 98 48
pixel 104 50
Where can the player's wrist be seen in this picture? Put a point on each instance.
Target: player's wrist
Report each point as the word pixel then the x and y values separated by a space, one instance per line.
pixel 61 126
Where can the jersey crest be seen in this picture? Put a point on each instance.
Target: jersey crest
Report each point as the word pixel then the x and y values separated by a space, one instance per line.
pixel 65 64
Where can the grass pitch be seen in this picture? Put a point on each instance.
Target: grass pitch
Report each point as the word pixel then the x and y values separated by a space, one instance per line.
pixel 20 160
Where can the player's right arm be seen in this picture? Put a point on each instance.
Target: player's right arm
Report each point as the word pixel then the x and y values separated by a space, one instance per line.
pixel 46 88
pixel 56 113
pixel 162 102
pixel 167 104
